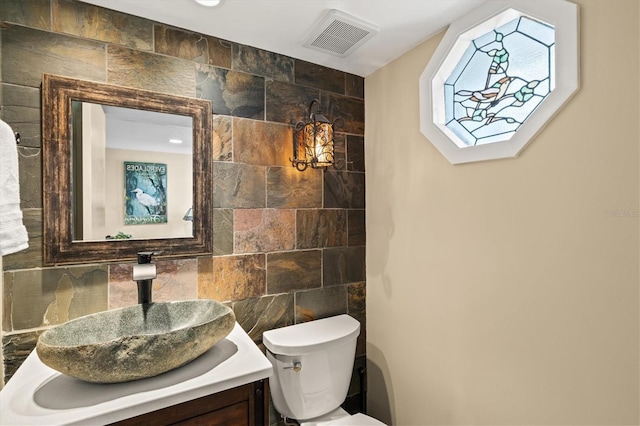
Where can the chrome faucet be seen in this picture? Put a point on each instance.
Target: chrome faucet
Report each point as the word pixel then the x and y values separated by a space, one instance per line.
pixel 144 273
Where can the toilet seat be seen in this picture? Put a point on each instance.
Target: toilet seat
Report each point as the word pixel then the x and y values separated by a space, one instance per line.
pixel 355 420
pixel 340 417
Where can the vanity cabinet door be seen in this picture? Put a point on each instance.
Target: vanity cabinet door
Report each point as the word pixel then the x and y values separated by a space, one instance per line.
pixel 245 405
pixel 234 415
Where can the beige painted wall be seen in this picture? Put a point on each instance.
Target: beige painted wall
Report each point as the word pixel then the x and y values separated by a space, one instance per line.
pixel 507 292
pixel 94 202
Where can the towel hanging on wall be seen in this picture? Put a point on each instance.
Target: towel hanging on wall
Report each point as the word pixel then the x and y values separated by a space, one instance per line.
pixel 13 234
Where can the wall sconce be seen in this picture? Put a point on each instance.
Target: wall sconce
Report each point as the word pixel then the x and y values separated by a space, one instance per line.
pixel 313 141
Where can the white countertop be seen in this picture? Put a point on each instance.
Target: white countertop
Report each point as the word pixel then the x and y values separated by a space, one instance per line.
pixel 39 395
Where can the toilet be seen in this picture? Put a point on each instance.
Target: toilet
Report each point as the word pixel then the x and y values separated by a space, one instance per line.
pixel 312 365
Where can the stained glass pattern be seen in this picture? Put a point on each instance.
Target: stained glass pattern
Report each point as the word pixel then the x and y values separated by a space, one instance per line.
pixel 499 81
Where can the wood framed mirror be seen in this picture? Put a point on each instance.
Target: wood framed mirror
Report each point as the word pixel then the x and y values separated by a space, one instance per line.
pixel 106 201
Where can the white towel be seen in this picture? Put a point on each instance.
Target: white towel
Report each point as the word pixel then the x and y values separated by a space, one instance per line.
pixel 13 234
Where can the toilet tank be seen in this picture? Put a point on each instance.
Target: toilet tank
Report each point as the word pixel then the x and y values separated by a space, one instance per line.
pixel 324 351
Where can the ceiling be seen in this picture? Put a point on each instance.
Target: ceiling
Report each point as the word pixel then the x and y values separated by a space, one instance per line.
pixel 281 26
pixel 139 130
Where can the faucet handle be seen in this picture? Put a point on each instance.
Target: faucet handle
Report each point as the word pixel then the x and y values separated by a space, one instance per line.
pixel 145 256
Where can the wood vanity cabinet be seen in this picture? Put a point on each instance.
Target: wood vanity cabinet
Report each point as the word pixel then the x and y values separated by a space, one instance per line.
pixel 245 405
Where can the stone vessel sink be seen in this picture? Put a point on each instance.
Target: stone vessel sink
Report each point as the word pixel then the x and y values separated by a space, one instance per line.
pixel 135 342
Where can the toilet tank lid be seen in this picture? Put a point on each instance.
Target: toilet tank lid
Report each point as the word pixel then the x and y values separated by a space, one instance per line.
pixel 312 336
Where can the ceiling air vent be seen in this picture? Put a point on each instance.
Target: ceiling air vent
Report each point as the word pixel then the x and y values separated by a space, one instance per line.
pixel 339 34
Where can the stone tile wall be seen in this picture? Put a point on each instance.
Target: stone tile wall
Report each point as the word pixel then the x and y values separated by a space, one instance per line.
pixel 288 245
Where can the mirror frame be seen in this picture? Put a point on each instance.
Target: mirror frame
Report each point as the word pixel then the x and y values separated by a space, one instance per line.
pixel 59 246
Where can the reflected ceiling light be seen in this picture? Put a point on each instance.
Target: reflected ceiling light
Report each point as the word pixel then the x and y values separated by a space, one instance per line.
pixel 210 3
pixel 176 141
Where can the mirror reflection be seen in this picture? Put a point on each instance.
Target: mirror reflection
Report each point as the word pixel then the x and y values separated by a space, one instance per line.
pixel 120 187
pixel 130 171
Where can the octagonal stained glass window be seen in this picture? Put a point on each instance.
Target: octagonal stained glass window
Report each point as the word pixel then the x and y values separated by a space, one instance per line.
pixel 502 77
pixel 498 76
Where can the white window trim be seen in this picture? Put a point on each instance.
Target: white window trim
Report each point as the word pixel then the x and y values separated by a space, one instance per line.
pixel 563 15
